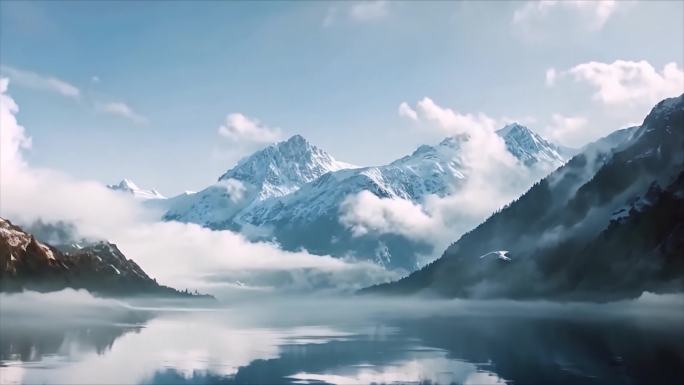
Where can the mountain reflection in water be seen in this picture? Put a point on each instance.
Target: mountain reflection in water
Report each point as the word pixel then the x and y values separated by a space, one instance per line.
pixel 303 342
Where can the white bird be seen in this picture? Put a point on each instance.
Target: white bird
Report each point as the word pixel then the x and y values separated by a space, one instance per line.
pixel 500 254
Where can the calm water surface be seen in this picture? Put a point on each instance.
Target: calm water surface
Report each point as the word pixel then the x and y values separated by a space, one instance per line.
pixel 345 342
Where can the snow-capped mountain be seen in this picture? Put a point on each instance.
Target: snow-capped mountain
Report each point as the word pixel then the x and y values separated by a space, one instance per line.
pixel 428 170
pixel 530 147
pixel 606 225
pixel 129 187
pixel 292 191
pixel 284 167
pixel 275 171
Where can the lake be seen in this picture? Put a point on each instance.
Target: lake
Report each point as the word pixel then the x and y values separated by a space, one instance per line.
pixel 71 337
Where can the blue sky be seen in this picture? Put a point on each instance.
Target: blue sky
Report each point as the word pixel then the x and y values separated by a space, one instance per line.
pixel 109 90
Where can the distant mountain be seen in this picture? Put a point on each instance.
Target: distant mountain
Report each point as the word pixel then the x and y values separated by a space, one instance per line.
pixel 609 224
pixel 292 192
pixel 284 167
pixel 129 187
pixel 100 267
pixel 530 147
pixel 272 172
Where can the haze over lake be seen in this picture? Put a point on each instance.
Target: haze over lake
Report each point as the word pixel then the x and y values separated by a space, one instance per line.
pixel 341 192
pixel 338 341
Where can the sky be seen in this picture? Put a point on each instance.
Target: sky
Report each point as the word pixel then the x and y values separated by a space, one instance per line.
pixel 172 94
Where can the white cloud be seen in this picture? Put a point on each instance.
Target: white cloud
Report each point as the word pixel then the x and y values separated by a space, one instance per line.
pixel 631 86
pixel 13 138
pixel 551 77
pixel 368 10
pixel 493 177
pixel 453 122
pixel 123 110
pixel 365 213
pixel 38 81
pixel 438 220
pixel 236 189
pixel 44 82
pixel 483 148
pixel 595 13
pixel 406 111
pixel 177 254
pixel 240 128
pixel 630 82
pixel 570 130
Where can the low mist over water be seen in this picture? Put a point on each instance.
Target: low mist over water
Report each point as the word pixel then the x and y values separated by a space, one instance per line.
pixel 71 337
pixel 342 192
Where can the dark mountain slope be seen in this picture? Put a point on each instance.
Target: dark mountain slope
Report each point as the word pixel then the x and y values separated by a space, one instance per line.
pixel 562 236
pixel 26 263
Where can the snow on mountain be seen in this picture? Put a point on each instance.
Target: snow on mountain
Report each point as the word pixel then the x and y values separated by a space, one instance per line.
pixel 428 170
pixel 275 171
pixel 306 182
pixel 530 147
pixel 284 167
pixel 128 186
pixel 605 226
pixel 292 191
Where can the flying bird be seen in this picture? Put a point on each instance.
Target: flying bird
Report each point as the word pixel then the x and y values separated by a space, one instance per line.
pixel 500 254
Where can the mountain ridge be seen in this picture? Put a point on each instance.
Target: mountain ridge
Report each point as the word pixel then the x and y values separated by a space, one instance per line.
pixel 283 167
pixel 551 230
pixel 292 192
pixel 130 187
pixel 100 267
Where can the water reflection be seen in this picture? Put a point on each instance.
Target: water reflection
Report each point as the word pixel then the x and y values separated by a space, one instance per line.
pixel 23 343
pixel 426 366
pixel 296 345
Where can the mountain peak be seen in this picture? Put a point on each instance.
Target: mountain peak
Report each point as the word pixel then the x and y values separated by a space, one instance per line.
pixel 528 146
pixel 619 197
pixel 454 141
pixel 283 167
pixel 513 129
pixel 130 187
pixel 126 184
pixel 294 146
pixel 669 104
pixel 298 140
pixel 663 112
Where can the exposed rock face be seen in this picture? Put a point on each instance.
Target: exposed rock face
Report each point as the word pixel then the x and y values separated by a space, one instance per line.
pixel 26 263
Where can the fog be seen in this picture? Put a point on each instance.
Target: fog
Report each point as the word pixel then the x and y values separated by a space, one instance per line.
pixel 321 308
pixel 493 178
pixel 73 337
pixel 176 254
pixel 228 264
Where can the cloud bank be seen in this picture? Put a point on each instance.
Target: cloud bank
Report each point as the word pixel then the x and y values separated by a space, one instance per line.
pixel 177 254
pixel 493 177
pixel 624 82
pixel 630 82
pixel 570 130
pixel 623 89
